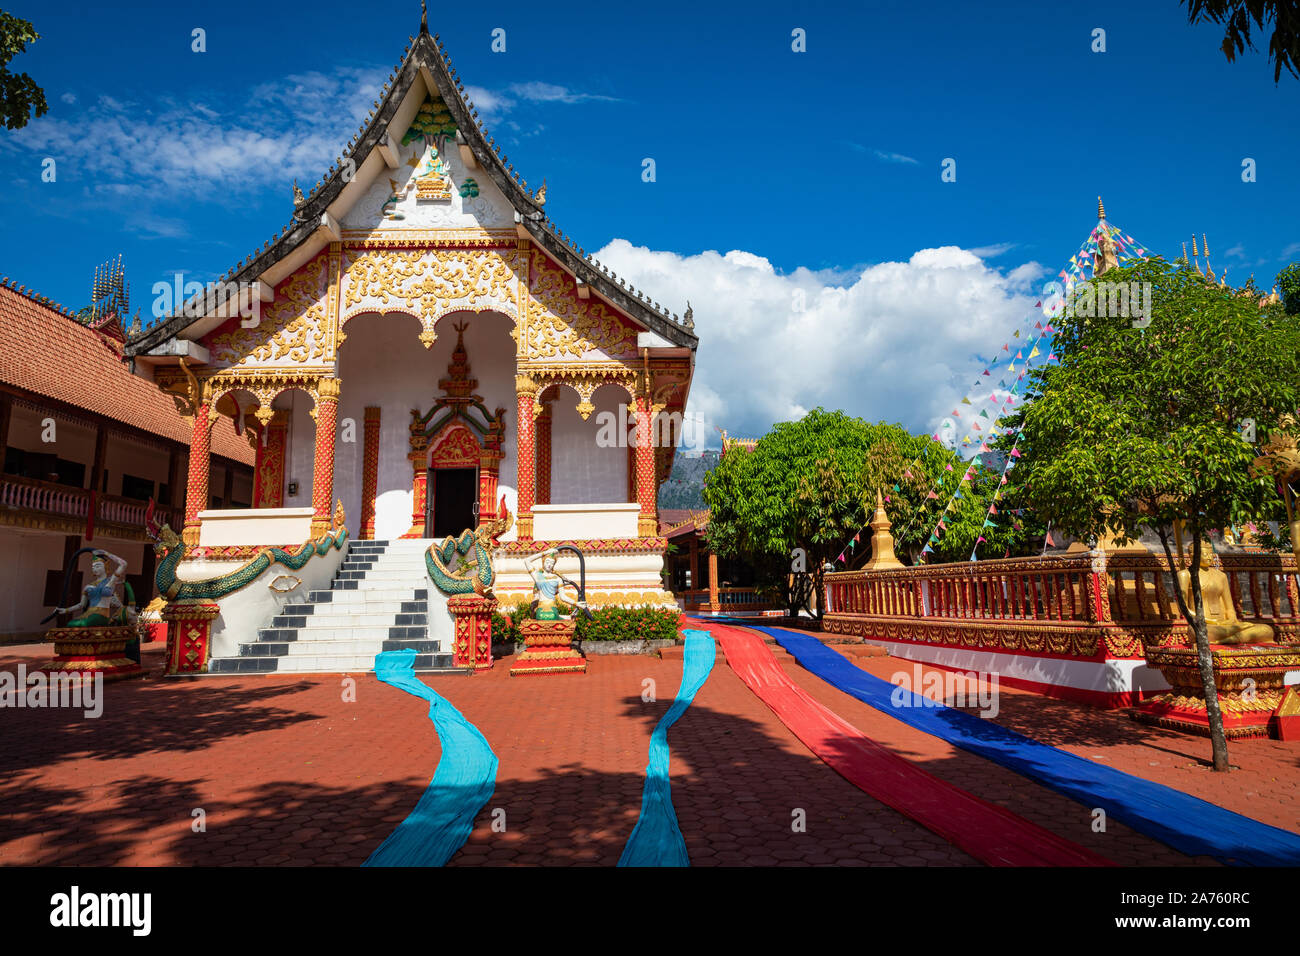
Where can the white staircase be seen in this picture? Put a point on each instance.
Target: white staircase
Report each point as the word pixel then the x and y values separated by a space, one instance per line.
pixel 379 601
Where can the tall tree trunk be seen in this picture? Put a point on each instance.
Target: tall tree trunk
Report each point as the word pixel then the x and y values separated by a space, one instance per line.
pixel 1195 616
pixel 1218 740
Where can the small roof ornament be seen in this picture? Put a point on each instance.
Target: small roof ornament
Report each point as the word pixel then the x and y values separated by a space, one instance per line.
pixel 424 18
pixel 688 319
pixel 299 200
pixel 541 193
pixel 1101 210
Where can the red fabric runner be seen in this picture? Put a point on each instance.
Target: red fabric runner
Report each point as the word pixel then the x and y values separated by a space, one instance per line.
pixel 987 832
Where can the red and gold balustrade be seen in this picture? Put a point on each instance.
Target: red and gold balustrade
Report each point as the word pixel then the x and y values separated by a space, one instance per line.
pixel 50 506
pixel 1073 605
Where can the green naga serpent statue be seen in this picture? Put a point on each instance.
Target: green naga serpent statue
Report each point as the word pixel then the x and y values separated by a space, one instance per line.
pixel 472 551
pixel 168 545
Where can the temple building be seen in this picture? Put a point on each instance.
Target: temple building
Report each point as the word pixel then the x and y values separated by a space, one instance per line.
pixel 422 345
pixel 703 583
pixel 84 446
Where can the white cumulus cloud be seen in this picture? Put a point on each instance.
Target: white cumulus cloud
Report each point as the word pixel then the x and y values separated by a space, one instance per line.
pixel 899 341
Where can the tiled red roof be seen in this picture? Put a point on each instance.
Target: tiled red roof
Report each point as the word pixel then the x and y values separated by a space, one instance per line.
pixel 45 352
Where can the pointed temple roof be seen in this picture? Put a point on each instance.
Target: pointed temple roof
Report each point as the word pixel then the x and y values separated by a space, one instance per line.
pixel 313 224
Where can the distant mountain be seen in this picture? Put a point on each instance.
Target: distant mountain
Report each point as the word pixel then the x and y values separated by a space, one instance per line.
pixel 685 486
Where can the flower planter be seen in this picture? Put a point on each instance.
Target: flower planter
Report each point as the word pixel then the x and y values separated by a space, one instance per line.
pixel 590 648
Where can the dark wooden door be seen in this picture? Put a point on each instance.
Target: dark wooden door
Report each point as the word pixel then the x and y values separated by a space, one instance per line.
pixel 452 504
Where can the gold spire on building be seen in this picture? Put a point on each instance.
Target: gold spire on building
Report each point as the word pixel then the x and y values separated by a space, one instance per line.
pixel 1105 258
pixel 882 542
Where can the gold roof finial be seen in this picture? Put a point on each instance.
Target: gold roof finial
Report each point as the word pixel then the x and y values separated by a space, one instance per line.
pixel 1101 210
pixel 1186 261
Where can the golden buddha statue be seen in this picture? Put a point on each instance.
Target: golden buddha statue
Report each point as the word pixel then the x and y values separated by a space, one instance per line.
pixel 1221 619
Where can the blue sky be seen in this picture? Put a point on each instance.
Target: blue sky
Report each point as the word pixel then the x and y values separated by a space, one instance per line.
pixel 827 160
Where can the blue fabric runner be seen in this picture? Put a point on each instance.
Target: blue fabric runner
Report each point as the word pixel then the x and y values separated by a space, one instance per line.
pixel 657 839
pixel 1186 823
pixel 462 782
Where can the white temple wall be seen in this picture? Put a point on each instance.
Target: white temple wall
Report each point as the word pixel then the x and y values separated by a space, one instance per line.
pixel 582 472
pixel 383 363
pixel 27 556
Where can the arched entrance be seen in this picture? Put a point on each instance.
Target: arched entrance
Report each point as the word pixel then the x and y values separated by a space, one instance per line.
pixel 455 454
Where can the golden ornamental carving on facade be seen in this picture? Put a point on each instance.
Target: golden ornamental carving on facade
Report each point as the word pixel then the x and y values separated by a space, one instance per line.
pixel 398 237
pixel 428 283
pixel 182 387
pixel 265 387
pixel 526 385
pixel 559 323
pixel 292 328
pixel 584 379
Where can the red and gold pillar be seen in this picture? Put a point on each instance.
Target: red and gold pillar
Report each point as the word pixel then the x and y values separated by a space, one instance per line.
pixel 196 489
pixel 648 522
pixel 526 391
pixel 419 459
pixel 472 625
pixel 322 473
pixel 189 635
pixel 489 473
pixel 369 473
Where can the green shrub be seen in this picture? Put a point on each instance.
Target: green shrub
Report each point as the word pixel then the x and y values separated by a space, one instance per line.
pixel 645 623
pixel 505 627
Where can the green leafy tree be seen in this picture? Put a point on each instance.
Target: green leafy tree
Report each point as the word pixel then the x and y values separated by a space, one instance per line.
pixel 797 500
pixel 1143 427
pixel 20 97
pixel 1239 16
pixel 1288 283
pixel 800 488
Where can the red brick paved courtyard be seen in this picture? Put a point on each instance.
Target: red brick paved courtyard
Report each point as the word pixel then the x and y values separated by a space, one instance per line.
pixel 287 772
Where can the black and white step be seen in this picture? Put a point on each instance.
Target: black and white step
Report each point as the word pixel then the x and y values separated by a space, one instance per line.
pixel 378 601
